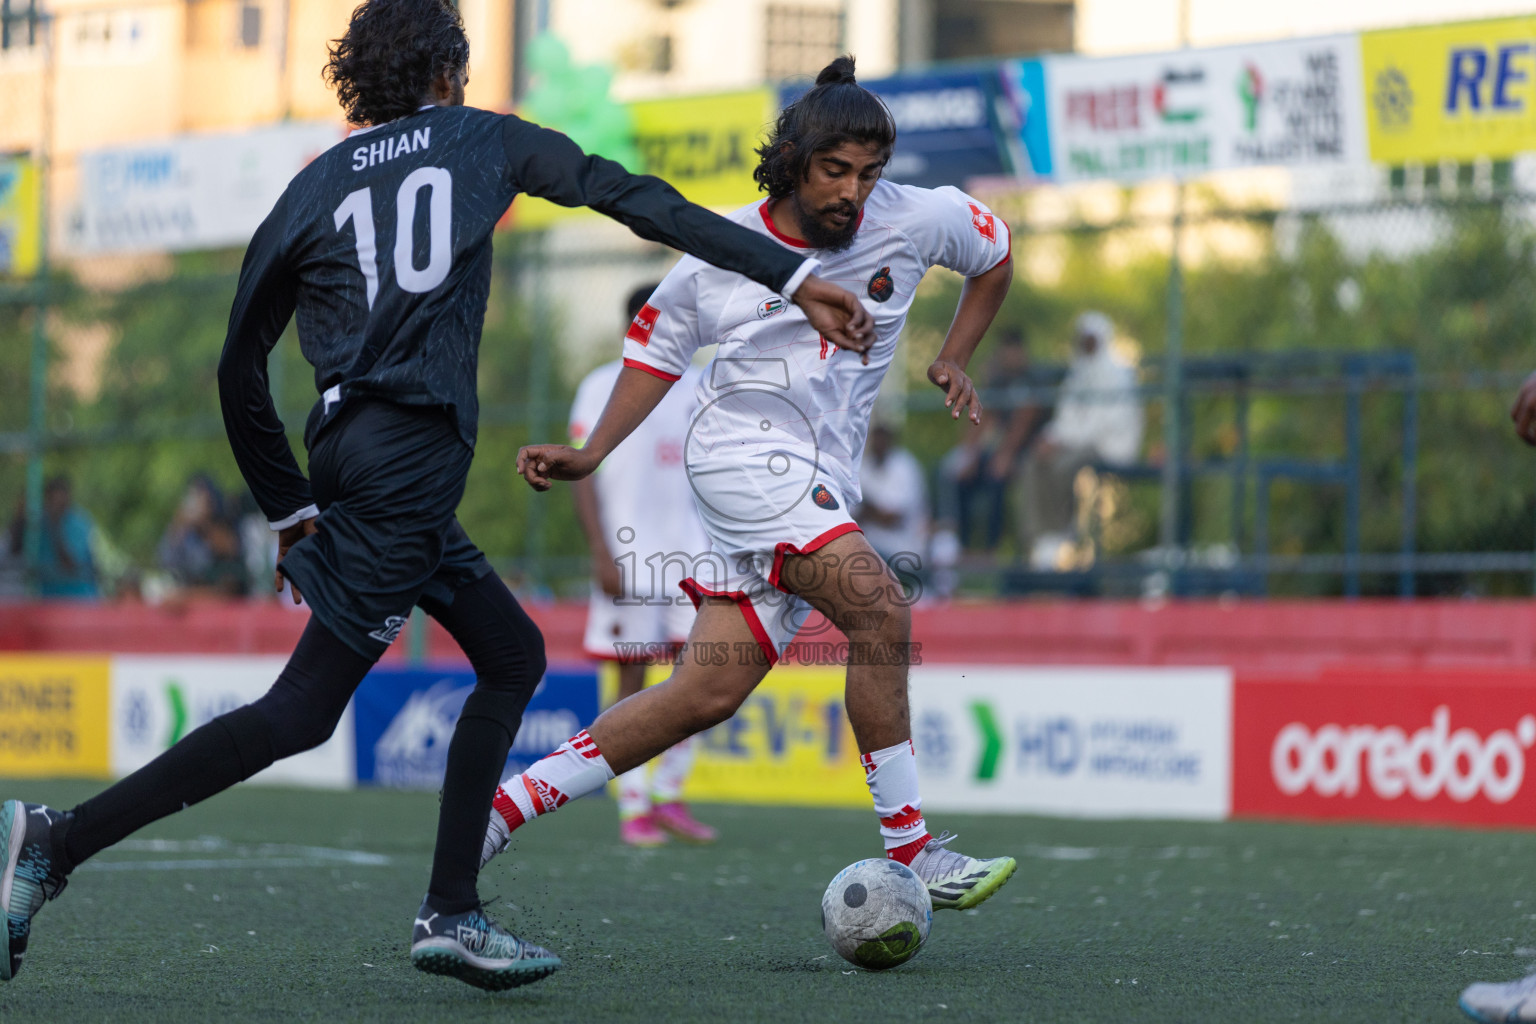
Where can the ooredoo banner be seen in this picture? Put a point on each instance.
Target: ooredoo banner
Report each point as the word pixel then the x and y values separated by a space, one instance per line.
pixel 1080 742
pixel 1425 746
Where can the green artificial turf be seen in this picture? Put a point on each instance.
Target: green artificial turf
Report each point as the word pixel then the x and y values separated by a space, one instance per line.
pixel 1105 921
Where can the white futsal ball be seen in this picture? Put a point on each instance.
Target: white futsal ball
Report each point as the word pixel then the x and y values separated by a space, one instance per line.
pixel 876 914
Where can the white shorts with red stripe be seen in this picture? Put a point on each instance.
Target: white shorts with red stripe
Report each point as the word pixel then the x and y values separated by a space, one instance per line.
pixel 754 517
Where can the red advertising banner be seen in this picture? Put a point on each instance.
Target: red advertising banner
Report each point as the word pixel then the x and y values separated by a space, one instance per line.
pixel 1443 746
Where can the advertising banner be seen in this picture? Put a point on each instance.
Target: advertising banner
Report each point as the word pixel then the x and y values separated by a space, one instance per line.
pixel 790 743
pixel 53 716
pixel 194 192
pixel 704 146
pixel 1080 742
pixel 1028 132
pixel 1432 746
pixel 20 238
pixel 1292 103
pixel 405 719
pixel 1451 92
pixel 950 127
pixel 158 699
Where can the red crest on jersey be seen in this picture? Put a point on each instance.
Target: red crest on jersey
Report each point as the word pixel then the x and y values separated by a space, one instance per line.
pixel 984 223
pixel 643 324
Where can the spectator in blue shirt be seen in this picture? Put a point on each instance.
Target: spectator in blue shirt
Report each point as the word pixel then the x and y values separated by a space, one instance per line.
pixel 65 568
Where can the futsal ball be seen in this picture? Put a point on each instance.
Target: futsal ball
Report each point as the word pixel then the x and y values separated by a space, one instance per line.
pixel 876 914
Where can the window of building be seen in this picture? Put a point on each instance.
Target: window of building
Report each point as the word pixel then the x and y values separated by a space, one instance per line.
pixel 250 26
pixel 801 39
pixel 18 24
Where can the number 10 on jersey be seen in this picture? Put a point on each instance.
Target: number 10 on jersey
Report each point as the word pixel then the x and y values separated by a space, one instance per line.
pixel 358 208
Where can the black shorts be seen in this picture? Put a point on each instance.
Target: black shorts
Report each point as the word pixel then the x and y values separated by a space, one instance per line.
pixel 387 479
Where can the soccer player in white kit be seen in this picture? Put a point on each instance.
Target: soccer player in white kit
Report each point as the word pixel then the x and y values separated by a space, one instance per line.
pixel 638 516
pixel 773 457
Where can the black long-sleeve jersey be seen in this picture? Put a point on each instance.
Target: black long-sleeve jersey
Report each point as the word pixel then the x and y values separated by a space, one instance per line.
pixel 383 246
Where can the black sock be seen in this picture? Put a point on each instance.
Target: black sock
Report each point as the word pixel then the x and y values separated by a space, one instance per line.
pixel 477 755
pixel 209 759
pixel 507 651
pixel 298 713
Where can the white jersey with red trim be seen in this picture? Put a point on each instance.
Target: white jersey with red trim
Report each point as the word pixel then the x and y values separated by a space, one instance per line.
pixel 777 393
pixel 644 500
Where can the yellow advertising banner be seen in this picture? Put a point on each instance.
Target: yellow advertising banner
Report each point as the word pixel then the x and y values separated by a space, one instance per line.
pixel 20 238
pixel 1451 92
pixel 702 145
pixel 54 716
pixel 790 743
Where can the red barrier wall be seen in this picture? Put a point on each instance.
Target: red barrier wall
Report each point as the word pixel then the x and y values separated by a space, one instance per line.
pixel 1266 637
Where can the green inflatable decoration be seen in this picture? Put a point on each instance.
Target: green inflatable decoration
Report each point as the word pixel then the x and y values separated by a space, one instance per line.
pixel 575 100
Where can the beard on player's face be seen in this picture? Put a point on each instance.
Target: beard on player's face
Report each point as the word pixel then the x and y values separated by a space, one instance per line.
pixel 830 226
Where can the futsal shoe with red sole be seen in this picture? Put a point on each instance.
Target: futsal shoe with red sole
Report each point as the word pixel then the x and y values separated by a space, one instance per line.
pixel 675 818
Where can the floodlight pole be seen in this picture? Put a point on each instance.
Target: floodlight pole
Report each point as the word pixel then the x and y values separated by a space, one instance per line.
pixel 38 388
pixel 1173 390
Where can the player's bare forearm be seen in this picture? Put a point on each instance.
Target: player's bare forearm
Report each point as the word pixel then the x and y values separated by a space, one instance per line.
pixel 635 394
pixel 980 299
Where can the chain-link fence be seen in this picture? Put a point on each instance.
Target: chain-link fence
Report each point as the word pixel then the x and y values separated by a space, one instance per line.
pixel 1341 389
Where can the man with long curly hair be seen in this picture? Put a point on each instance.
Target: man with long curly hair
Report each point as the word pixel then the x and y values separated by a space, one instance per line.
pixel 773 456
pixel 382 246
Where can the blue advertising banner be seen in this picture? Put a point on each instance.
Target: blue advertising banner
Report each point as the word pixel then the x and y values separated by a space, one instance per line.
pixel 405 719
pixel 1029 112
pixel 950 126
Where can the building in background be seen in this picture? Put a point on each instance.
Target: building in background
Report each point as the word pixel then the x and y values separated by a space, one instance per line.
pixel 127 72
pixel 662 47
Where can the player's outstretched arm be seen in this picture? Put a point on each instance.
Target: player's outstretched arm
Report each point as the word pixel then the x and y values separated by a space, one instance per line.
pixel 549 165
pixel 980 299
pixel 635 394
pixel 264 302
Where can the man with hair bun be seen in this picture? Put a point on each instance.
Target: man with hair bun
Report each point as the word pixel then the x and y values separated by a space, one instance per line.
pixel 773 457
pixel 382 246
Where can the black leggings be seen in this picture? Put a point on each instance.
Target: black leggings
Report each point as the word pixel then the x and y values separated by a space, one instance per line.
pixel 301 711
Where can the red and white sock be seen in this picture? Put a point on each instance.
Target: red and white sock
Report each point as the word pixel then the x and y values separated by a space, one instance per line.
pixel 575 769
pixel 891 775
pixel 671 771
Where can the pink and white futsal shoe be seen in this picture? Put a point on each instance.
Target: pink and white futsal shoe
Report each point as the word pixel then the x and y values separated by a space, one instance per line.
pixel 641 830
pixel 675 819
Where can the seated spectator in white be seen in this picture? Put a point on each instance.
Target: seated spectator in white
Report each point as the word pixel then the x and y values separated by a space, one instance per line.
pixel 1099 419
pixel 893 512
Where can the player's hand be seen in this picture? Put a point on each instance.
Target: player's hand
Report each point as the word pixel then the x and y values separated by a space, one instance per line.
pixel 609 581
pixel 541 463
pixel 287 537
pixel 1524 412
pixel 958 389
pixel 836 315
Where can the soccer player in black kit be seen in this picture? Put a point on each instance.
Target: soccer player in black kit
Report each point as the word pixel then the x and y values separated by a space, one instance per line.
pixel 382 248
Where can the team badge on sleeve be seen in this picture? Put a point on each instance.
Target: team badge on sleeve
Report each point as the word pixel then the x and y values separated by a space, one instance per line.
pixel 881 287
pixel 644 323
pixel 984 223
pixel 771 307
pixel 823 497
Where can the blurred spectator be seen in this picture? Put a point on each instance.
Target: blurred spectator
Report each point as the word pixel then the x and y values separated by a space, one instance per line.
pixel 974 475
pixel 13 562
pixel 1098 420
pixel 201 548
pixel 65 566
pixel 894 510
pixel 258 547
